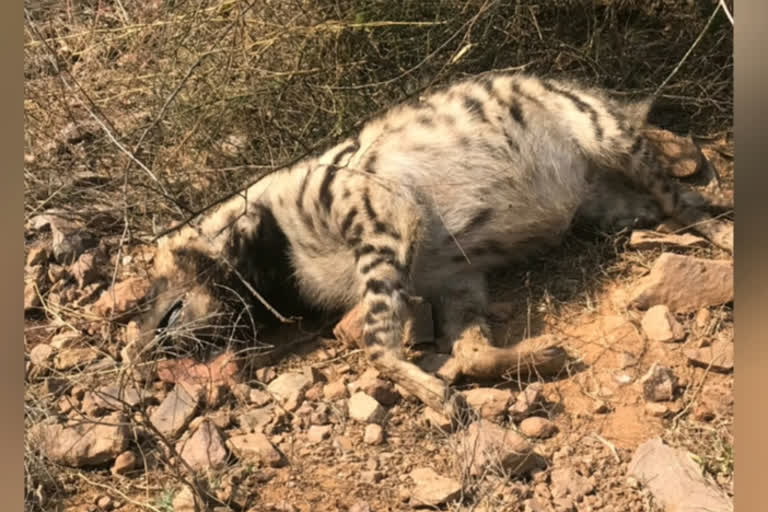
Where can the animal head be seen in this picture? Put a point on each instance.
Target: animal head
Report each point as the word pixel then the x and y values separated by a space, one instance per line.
pixel 205 286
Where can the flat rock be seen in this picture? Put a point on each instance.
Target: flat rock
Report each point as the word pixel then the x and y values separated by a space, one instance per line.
pixel 538 427
pixel 675 480
pixel 365 408
pixel 257 447
pixel 678 155
pixel 685 284
pixel 659 384
pixel 431 489
pixel 258 397
pixel 717 357
pixel 84 444
pixel 317 433
pixel 336 389
pixel 255 420
pixel 205 448
pixel 175 412
pixel 115 397
pixel 490 403
pixel 645 239
pixel 288 384
pixel 487 446
pixel 659 324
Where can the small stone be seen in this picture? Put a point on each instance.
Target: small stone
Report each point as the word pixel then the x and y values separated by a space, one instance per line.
pixel 185 501
pixel 434 419
pixel 685 283
pixel 294 401
pixel 257 447
pixel 702 320
pixel 365 408
pixel 374 434
pixel 431 489
pixel 288 385
pixel 659 384
pixel 317 433
pixel 656 409
pixel 313 375
pixel 255 420
pixel 258 397
pixel 336 389
pixel 659 324
pixel 490 403
pixel 205 448
pixel 527 402
pixel 175 412
pixel 717 357
pixel 675 480
pixel 104 503
pixel 487 446
pixel 115 398
pixel 124 463
pixel 41 355
pixel 537 427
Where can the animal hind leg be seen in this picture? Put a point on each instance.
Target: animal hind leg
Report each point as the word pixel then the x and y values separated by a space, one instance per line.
pixel 461 313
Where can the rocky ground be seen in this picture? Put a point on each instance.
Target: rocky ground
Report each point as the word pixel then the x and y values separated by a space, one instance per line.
pixel 641 421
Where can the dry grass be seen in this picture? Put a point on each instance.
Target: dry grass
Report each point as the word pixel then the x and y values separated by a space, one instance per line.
pixel 140 114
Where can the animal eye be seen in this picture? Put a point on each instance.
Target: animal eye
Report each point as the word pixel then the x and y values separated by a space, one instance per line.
pixel 171 316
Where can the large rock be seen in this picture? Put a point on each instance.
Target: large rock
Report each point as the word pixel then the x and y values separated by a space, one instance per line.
pixel 432 489
pixel 485 446
pixel 685 283
pixel 675 480
pixel 84 444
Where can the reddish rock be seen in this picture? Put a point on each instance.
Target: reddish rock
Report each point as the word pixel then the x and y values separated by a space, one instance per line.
pixel 431 489
pixel 122 298
pixel 717 357
pixel 486 446
pixel 205 448
pixel 84 444
pixel 490 403
pixel 685 283
pixel 256 447
pixel 537 427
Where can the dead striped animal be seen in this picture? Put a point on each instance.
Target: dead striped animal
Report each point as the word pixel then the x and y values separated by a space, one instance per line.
pixel 423 201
